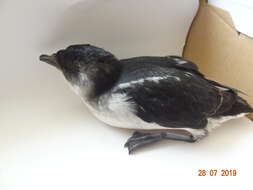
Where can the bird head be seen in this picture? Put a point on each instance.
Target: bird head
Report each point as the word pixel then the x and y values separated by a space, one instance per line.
pixel 85 66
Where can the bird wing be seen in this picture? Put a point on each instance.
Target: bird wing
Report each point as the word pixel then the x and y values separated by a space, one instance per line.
pixel 169 96
pixel 169 62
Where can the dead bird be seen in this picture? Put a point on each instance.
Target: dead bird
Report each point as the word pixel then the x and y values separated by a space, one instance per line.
pixel 148 93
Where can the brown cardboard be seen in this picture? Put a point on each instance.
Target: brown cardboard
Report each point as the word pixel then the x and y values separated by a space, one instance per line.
pixel 222 53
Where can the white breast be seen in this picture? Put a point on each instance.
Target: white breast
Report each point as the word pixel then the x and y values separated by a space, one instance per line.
pixel 113 109
pixel 116 110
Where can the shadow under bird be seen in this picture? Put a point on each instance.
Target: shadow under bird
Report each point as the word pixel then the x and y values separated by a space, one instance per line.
pixel 147 94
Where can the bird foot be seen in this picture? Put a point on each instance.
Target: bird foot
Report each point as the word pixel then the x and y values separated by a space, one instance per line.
pixel 139 139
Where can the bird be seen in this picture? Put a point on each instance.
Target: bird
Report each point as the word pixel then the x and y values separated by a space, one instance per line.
pixel 160 98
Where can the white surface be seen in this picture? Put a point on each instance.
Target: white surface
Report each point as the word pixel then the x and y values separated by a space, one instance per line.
pixel 241 12
pixel 48 139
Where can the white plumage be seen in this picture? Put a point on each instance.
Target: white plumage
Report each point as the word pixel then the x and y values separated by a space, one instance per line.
pixel 116 110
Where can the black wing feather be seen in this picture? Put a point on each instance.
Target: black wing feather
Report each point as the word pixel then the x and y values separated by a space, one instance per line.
pixel 173 61
pixel 168 61
pixel 183 98
pixel 178 100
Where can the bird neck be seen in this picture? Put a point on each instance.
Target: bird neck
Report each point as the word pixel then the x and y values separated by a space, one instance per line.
pixel 104 75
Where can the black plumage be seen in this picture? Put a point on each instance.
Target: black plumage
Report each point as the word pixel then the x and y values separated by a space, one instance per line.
pixel 169 92
pixel 186 102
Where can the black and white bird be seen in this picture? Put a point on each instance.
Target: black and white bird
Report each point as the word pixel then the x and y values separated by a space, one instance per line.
pixel 148 93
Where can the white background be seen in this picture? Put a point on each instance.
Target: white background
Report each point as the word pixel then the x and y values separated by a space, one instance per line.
pixel 241 12
pixel 49 140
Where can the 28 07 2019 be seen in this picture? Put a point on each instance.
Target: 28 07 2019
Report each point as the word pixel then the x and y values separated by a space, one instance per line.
pixel 217 172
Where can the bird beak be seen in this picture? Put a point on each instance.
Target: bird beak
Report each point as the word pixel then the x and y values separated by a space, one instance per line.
pixel 50 59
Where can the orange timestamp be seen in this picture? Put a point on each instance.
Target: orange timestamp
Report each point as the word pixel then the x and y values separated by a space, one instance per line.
pixel 217 172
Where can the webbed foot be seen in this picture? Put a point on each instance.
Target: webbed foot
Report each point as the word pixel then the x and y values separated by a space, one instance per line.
pixel 139 139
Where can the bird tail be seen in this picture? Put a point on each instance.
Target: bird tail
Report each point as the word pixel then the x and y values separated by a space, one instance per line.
pixel 237 104
pixel 240 106
pixel 232 104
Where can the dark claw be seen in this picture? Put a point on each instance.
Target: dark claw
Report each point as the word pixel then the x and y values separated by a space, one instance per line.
pixel 131 146
pixel 132 142
pixel 136 136
pixel 126 144
pixel 139 139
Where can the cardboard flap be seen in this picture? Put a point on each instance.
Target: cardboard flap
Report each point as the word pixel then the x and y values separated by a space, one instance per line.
pixel 223 15
pixel 221 53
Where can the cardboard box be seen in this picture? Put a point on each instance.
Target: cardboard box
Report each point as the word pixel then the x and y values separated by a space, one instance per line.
pixel 221 52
